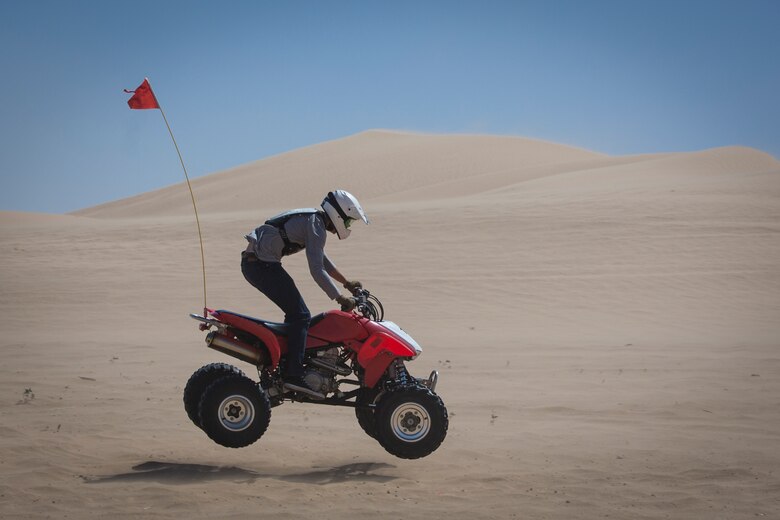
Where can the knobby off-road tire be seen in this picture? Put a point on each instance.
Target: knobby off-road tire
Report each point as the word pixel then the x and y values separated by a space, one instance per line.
pixel 411 423
pixel 234 411
pixel 199 381
pixel 366 416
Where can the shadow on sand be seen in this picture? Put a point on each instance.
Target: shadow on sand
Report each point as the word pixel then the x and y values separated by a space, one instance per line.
pixel 176 473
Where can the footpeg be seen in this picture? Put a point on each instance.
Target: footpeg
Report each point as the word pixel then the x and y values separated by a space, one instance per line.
pixel 304 390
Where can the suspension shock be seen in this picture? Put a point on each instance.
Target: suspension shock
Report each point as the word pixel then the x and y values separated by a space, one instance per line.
pixel 401 374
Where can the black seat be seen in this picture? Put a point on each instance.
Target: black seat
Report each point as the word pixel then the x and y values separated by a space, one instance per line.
pixel 281 329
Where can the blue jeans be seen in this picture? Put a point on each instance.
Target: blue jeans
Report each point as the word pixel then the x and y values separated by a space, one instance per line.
pixel 271 279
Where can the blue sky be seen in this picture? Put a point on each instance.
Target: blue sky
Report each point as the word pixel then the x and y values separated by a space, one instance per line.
pixel 243 80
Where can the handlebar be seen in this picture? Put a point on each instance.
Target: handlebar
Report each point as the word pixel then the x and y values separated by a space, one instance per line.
pixel 368 305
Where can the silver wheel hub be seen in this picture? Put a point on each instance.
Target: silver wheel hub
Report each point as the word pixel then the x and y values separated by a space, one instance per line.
pixel 236 413
pixel 410 422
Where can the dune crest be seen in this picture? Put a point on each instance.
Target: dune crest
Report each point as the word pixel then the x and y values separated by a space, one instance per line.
pixel 371 164
pixel 394 166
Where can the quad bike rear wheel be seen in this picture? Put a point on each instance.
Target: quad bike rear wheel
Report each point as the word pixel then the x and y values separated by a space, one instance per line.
pixel 234 411
pixel 199 381
pixel 411 422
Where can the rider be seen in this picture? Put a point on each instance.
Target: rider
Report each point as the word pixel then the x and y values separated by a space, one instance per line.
pixel 286 234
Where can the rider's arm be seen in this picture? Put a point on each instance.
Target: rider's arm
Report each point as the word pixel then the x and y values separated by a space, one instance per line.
pixel 332 270
pixel 315 254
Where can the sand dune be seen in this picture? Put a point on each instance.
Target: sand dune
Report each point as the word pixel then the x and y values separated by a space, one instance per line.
pixel 605 327
pixel 373 163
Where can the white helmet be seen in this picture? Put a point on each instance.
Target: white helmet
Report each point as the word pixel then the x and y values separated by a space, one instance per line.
pixel 342 208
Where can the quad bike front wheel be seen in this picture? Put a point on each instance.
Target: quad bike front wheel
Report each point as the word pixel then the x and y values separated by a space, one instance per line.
pixel 199 381
pixel 365 414
pixel 411 422
pixel 234 411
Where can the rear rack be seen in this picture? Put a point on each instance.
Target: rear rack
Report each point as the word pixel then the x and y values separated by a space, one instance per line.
pixel 206 322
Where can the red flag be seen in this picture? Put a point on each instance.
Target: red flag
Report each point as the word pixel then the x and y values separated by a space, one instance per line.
pixel 143 97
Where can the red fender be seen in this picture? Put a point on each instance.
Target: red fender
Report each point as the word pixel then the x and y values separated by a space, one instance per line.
pixel 265 335
pixel 338 326
pixel 376 354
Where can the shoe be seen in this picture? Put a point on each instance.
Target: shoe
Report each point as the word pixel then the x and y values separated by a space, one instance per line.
pixel 298 384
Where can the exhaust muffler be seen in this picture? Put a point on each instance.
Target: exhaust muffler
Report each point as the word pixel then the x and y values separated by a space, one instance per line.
pixel 235 348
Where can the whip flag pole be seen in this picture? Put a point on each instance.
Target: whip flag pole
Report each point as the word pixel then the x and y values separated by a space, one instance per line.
pixel 144 98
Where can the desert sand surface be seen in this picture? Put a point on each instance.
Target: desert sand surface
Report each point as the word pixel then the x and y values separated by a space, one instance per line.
pixel 607 332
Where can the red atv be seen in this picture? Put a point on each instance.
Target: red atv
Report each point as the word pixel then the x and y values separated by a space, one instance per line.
pixel 356 350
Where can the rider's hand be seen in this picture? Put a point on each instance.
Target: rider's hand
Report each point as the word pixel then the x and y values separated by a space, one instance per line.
pixel 347 303
pixel 353 286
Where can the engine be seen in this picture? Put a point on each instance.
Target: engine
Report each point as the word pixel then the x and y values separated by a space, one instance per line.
pixel 322 370
pixel 321 380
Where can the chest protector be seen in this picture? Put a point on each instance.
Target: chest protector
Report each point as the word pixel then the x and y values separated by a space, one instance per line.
pixel 281 219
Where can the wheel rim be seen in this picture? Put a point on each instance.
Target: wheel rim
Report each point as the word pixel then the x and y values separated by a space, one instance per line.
pixel 236 413
pixel 410 422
